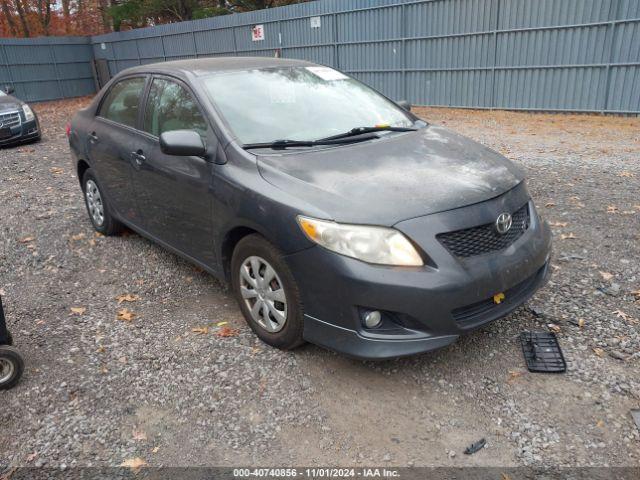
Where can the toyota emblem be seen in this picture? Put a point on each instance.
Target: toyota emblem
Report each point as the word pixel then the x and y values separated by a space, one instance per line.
pixel 503 223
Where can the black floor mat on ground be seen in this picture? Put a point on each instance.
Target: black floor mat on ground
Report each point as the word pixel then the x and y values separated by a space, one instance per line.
pixel 542 352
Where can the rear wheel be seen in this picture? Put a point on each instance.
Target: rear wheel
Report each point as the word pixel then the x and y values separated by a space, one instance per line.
pixel 11 367
pixel 267 293
pixel 97 207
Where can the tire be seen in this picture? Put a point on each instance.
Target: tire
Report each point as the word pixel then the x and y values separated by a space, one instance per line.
pixel 255 250
pixel 103 221
pixel 11 367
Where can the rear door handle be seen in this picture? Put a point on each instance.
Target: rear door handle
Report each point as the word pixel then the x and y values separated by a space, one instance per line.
pixel 93 137
pixel 138 157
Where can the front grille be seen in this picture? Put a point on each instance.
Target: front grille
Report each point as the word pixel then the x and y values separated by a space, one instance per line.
pixel 9 119
pixel 485 239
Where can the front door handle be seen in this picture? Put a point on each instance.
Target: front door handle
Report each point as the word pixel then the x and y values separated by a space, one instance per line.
pixel 138 157
pixel 93 137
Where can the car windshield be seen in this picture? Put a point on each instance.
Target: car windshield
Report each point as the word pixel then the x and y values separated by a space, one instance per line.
pixel 298 103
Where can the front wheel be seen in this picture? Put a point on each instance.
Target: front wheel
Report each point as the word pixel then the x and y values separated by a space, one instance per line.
pixel 267 293
pixel 11 367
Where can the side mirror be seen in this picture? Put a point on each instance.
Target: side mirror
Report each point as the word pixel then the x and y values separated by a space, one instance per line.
pixel 8 89
pixel 404 104
pixel 182 143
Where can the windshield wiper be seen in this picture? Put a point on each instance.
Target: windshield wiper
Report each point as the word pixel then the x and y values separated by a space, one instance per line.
pixel 282 144
pixel 362 130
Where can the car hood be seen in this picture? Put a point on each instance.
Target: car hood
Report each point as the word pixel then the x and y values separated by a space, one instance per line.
pixel 8 103
pixel 394 178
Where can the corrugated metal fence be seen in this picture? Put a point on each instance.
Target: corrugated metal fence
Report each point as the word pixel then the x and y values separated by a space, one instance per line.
pixel 573 55
pixel 47 68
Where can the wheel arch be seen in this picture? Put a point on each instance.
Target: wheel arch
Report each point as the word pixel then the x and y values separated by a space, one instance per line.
pixel 81 167
pixel 229 242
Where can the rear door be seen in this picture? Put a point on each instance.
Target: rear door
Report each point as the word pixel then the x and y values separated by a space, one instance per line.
pixel 111 138
pixel 174 192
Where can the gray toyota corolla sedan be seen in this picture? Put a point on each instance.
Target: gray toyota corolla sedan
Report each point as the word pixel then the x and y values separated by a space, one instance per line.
pixel 338 216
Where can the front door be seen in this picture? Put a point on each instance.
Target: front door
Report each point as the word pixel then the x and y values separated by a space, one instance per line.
pixel 174 193
pixel 112 135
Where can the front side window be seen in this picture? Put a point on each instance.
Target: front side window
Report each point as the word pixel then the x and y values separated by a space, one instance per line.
pixel 121 103
pixel 171 107
pixel 298 103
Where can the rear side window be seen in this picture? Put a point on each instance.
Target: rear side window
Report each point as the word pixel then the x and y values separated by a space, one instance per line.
pixel 121 103
pixel 171 107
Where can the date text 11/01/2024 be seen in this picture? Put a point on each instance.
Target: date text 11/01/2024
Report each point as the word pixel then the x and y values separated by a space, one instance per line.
pixel 316 473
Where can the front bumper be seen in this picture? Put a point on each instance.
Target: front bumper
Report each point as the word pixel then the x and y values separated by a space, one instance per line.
pixel 24 132
pixel 425 307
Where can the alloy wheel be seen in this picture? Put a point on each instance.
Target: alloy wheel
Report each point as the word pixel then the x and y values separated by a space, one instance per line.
pixel 263 293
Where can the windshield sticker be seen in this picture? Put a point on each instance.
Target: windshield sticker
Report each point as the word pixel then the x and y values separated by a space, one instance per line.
pixel 327 74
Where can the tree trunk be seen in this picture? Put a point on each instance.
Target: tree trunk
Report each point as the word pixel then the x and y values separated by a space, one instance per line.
pixel 23 19
pixel 66 14
pixel 9 16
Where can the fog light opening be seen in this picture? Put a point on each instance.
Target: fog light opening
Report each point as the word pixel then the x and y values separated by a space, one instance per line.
pixel 372 319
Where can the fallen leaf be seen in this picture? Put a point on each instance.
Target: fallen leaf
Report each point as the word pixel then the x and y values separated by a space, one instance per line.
pixel 126 315
pixel 77 237
pixel 568 236
pixel 56 170
pixel 581 322
pixel 506 476
pixel 513 375
pixel 155 450
pixel 78 310
pixel 612 209
pixel 127 297
pixel 598 351
pixel 558 224
pixel 498 298
pixel 606 276
pixel 621 314
pixel 554 328
pixel 31 457
pixel 139 435
pixel 636 293
pixel 220 324
pixel 228 332
pixel 26 239
pixel 134 464
pixel 600 423
pixel 200 330
pixel 100 349
pixel 549 204
pixel 123 360
pixel 626 174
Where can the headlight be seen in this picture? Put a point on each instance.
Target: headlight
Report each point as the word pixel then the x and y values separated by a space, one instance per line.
pixel 28 113
pixel 384 246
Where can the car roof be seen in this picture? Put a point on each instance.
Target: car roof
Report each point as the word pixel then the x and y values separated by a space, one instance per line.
pixel 205 66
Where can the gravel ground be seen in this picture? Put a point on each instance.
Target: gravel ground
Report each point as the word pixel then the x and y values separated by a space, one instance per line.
pixel 172 386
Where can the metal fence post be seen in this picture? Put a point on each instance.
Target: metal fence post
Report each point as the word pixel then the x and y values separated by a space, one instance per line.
pixel 336 54
pixel 495 17
pixel 612 30
pixel 404 32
